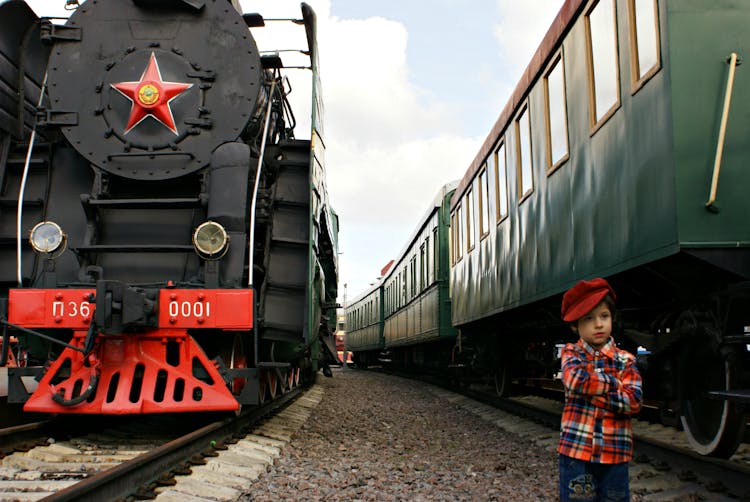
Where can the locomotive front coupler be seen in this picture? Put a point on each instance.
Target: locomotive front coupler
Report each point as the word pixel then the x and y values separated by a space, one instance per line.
pixel 120 308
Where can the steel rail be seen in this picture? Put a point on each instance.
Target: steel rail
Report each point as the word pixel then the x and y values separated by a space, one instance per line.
pixel 124 479
pixel 12 438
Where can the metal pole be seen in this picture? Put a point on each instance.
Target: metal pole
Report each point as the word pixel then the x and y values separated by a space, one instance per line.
pixel 722 132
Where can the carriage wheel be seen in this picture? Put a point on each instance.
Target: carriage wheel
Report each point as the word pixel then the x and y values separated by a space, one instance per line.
pixel 502 379
pixel 713 427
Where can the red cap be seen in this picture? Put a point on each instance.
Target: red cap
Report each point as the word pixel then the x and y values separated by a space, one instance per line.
pixel 583 297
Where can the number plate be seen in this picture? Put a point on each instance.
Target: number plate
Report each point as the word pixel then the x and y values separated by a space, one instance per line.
pixel 50 308
pixel 206 308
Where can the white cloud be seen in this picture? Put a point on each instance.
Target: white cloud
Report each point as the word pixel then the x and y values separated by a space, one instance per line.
pixel 388 151
pixel 520 30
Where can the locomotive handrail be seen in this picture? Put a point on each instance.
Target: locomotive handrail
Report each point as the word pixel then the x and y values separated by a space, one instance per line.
pixel 22 189
pixel 733 63
pixel 113 156
pixel 251 240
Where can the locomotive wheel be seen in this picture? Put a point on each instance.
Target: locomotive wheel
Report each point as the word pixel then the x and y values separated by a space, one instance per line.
pixel 272 383
pixel 283 381
pixel 234 357
pixel 262 386
pixel 290 379
pixel 713 427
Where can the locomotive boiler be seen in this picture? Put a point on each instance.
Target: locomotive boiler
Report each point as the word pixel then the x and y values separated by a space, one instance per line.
pixel 166 242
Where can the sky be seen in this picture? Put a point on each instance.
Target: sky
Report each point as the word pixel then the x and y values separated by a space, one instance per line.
pixel 411 90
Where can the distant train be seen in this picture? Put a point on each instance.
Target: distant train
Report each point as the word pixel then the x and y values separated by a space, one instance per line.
pixel 622 153
pixel 166 241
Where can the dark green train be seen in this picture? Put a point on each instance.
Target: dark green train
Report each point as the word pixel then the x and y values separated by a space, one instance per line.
pixel 622 153
pixel 405 317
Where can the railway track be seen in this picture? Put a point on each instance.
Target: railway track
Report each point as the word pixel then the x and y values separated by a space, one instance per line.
pixel 153 457
pixel 663 467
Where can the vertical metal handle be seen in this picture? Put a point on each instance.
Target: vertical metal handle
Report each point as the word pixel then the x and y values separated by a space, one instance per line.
pixel 722 133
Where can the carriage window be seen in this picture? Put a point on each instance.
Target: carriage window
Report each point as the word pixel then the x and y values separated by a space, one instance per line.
pixel 557 129
pixel 413 277
pixel 644 40
pixel 461 228
pixel 403 286
pixel 501 183
pixel 484 203
pixel 604 91
pixel 422 266
pixel 470 215
pixel 454 237
pixel 523 133
pixel 435 253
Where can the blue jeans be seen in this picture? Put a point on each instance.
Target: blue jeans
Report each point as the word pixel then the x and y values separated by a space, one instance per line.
pixel 588 482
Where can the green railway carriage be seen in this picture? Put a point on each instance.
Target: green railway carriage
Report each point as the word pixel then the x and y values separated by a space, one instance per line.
pixel 405 318
pixel 364 326
pixel 622 153
pixel 417 325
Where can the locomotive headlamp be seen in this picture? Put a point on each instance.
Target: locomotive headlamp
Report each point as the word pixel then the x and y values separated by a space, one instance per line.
pixel 47 237
pixel 210 240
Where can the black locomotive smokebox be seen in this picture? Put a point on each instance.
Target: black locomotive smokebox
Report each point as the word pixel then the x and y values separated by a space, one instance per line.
pixel 156 87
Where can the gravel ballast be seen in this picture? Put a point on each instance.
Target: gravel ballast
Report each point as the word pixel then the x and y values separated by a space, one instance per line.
pixel 380 437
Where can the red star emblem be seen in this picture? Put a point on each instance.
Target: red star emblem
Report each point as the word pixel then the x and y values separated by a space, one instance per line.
pixel 151 97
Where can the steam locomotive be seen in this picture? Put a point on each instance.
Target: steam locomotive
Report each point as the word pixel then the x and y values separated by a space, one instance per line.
pixel 166 241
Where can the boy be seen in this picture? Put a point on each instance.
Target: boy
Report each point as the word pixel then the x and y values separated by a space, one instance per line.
pixel 602 391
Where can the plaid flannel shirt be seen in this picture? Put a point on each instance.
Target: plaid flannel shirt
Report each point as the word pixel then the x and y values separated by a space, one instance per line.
pixel 602 391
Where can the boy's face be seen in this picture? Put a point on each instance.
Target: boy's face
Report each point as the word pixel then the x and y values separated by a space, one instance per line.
pixel 595 327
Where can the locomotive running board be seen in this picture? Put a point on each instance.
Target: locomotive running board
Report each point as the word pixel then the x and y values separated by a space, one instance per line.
pixel 163 371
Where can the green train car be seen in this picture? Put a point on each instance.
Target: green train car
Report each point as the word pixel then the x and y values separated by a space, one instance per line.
pixel 622 153
pixel 405 318
pixel 364 326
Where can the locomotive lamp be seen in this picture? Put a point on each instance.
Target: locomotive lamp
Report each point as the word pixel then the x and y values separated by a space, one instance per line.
pixel 210 240
pixel 47 237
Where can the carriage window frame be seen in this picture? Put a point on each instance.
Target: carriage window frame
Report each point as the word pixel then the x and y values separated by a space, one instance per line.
pixel 524 115
pixel 435 254
pixel 413 276
pixel 483 201
pixel 423 250
pixel 594 122
pixel 458 233
pixel 558 64
pixel 501 192
pixel 470 219
pixel 638 78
